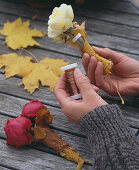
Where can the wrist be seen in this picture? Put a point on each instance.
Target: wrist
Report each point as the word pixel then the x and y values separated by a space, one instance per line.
pixel 106 123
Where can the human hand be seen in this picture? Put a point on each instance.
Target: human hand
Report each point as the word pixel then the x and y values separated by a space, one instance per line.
pixel 124 77
pixel 75 109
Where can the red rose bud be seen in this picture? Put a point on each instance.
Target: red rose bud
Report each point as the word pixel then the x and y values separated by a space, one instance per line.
pixel 17 131
pixel 30 109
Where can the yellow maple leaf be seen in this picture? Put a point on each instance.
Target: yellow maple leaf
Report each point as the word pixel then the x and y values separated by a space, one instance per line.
pixel 54 65
pixel 46 71
pixel 19 35
pixel 15 65
pixel 38 74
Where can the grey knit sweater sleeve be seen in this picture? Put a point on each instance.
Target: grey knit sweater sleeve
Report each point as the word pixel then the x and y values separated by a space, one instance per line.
pixel 110 139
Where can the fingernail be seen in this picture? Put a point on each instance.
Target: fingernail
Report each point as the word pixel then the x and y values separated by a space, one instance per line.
pixel 78 72
pixel 92 57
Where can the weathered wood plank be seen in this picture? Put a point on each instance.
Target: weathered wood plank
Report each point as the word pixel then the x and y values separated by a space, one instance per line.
pixel 42 53
pixel 103 27
pixel 113 42
pixel 36 159
pixel 12 106
pixel 63 49
pixel 79 143
pixel 117 43
pixel 4 168
pixel 28 158
pixel 129 100
pixel 96 25
pixel 62 45
pixel 122 6
pixel 120 44
pixel 107 4
pixel 109 16
pixel 12 83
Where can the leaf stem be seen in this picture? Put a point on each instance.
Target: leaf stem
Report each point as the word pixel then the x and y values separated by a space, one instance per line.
pixel 30 54
pixel 117 91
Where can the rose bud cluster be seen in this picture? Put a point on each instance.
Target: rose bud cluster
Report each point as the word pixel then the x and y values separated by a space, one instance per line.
pixel 18 130
pixel 30 109
pixel 32 126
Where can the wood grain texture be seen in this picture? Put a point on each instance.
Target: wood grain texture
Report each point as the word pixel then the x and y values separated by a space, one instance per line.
pixel 119 5
pixel 91 24
pixel 110 15
pixel 10 86
pixel 111 41
pixel 79 143
pixel 115 25
pixel 28 158
pixel 4 168
pixel 12 106
pixel 122 6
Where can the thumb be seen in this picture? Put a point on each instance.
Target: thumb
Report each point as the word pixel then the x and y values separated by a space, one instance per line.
pixel 82 83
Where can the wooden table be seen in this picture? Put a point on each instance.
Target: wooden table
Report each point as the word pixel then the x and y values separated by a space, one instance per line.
pixel 113 24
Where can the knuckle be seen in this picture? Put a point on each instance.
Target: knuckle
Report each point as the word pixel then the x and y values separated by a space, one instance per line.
pixel 107 49
pixel 84 80
pixel 122 55
pixel 84 59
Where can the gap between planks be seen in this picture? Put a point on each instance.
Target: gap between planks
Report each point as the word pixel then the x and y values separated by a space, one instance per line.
pixel 71 128
pixel 49 11
pixel 123 2
pixel 104 95
pixel 130 53
pixel 28 158
pixel 5 167
pixel 80 144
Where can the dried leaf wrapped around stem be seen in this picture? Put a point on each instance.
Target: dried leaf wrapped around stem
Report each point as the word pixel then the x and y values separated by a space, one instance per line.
pixel 43 134
pixel 87 48
pixel 63 148
pixel 32 126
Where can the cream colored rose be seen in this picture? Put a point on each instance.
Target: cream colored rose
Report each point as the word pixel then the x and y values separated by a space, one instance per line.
pixel 60 21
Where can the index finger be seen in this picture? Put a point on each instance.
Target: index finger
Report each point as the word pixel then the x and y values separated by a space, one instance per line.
pixel 109 54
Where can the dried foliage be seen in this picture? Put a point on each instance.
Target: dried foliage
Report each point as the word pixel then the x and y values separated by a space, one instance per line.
pixel 18 34
pixel 46 71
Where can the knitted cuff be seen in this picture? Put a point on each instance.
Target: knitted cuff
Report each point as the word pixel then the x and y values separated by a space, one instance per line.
pixel 110 138
pixel 105 124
